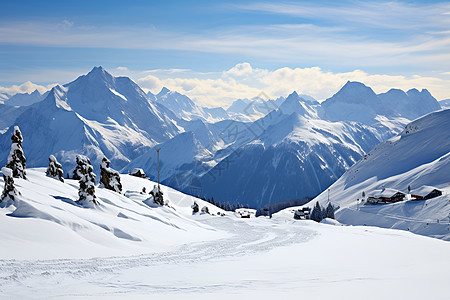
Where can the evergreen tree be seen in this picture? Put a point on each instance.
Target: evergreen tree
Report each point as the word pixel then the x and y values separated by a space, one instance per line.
pixel 195 208
pixel 84 171
pixel 54 169
pixel 16 159
pixel 109 177
pixel 316 213
pixel 9 190
pixel 157 195
pixel 330 211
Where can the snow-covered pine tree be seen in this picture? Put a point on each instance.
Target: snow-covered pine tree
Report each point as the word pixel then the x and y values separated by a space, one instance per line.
pixel 157 195
pixel 195 208
pixel 330 211
pixel 16 159
pixel 84 171
pixel 9 190
pixel 110 178
pixel 79 168
pixel 54 169
pixel 316 213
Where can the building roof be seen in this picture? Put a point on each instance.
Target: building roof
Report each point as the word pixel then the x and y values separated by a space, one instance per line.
pixel 384 193
pixel 423 191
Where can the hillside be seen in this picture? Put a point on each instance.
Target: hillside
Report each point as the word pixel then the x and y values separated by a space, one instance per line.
pixel 47 220
pixel 418 157
pixel 129 248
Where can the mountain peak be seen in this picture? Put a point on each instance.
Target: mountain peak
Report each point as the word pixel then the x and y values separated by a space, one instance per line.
pixel 99 73
pixel 293 94
pixel 164 91
pixel 354 92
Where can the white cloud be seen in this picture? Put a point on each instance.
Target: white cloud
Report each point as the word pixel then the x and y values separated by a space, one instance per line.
pixel 245 81
pixel 26 87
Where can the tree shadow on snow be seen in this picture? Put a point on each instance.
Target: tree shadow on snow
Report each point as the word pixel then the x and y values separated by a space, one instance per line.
pixel 67 200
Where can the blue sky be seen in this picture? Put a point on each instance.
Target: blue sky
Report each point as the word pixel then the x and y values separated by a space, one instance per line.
pixel 404 42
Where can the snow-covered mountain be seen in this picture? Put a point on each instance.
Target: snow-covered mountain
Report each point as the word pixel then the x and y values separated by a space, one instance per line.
pixel 8 114
pixel 96 115
pixel 248 110
pixel 4 97
pixel 184 108
pixel 293 140
pixel 176 153
pixel 418 157
pixel 296 158
pixel 290 153
pixel 357 102
pixel 445 103
pixel 25 99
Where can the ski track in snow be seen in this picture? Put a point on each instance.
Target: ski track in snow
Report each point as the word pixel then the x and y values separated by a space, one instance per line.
pixel 17 277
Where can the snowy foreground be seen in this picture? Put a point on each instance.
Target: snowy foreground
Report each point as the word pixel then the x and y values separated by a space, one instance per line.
pixel 51 248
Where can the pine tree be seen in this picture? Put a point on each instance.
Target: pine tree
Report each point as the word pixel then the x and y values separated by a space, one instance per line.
pixel 316 213
pixel 157 195
pixel 9 190
pixel 16 159
pixel 109 177
pixel 330 211
pixel 195 208
pixel 54 169
pixel 84 171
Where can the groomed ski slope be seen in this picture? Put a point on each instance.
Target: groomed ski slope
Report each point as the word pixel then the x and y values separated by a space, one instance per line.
pixel 54 250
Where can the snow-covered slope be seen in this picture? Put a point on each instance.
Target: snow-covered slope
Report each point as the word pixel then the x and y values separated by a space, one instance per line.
pixel 8 115
pixel 45 222
pixel 418 157
pixel 128 248
pixel 95 115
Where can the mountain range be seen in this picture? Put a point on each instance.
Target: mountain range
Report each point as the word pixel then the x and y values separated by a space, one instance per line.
pixel 255 152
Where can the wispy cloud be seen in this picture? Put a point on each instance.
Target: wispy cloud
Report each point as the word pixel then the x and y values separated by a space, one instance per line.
pixel 392 14
pixel 308 44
